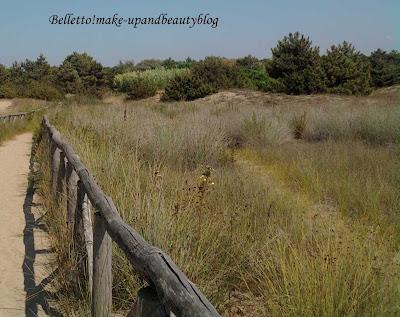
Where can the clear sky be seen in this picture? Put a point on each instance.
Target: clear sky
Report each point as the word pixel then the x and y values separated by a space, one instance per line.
pixel 245 27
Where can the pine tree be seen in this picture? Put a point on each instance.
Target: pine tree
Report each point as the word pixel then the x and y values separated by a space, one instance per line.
pixel 36 70
pixel 68 79
pixel 297 64
pixel 90 72
pixel 385 68
pixel 3 74
pixel 347 70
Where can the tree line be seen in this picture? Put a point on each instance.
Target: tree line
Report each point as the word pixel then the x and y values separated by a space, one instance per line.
pixel 296 67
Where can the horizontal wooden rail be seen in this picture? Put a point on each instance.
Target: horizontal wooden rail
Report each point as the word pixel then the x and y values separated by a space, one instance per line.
pixel 174 290
pixel 20 115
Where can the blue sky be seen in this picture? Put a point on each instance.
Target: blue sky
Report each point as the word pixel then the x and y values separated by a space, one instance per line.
pixel 245 27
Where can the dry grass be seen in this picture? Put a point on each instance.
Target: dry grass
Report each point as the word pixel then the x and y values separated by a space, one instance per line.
pixel 9 129
pixel 298 228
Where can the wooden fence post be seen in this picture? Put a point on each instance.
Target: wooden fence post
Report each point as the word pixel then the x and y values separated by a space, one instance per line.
pixel 102 276
pixel 88 235
pixel 83 235
pixel 55 166
pixel 71 180
pixel 61 175
pixel 78 237
pixel 148 304
pixel 50 144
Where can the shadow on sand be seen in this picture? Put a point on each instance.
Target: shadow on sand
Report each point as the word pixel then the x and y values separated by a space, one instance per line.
pixel 36 295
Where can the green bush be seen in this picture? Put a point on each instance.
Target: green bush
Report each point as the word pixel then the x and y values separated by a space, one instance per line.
pixel 220 73
pixel 347 70
pixel 297 65
pixel 250 62
pixel 169 63
pixel 261 81
pixel 187 87
pixel 160 77
pixel 33 89
pixel 41 90
pixel 147 64
pixel 141 87
pixel 124 67
pixel 8 91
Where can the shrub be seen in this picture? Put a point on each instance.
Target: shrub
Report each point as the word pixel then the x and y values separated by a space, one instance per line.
pixel 124 67
pixel 261 80
pixel 160 77
pixel 250 62
pixel 147 64
pixel 347 71
pixel 171 64
pixel 141 87
pixel 220 73
pixel 41 90
pixel 296 63
pixel 8 91
pixel 187 87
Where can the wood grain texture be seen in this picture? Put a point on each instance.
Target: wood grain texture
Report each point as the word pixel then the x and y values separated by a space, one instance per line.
pixel 88 237
pixel 148 304
pixel 55 167
pixel 102 269
pixel 72 188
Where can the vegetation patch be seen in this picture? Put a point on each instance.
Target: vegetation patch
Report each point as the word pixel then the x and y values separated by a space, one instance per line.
pixel 262 220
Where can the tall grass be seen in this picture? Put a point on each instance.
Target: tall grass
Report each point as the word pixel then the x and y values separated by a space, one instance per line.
pixel 375 124
pixel 9 129
pixel 297 228
pixel 30 123
pixel 160 77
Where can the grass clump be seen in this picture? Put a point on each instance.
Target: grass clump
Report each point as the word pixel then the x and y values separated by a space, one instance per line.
pixel 298 124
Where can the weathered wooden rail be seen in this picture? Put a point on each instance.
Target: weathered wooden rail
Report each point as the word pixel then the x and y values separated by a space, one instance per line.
pixel 169 292
pixel 16 116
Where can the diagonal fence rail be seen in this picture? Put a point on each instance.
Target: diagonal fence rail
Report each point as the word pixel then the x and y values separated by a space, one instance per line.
pixel 170 292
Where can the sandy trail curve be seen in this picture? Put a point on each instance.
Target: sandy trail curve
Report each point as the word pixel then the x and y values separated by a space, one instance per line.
pixel 21 263
pixel 4 105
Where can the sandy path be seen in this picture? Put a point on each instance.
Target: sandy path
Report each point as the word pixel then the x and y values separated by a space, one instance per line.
pixel 14 168
pixel 21 239
pixel 4 104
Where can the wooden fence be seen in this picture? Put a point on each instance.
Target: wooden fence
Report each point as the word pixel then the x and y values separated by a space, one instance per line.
pixel 170 292
pixel 16 116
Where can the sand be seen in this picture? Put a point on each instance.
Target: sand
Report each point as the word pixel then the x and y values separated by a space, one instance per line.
pixel 4 105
